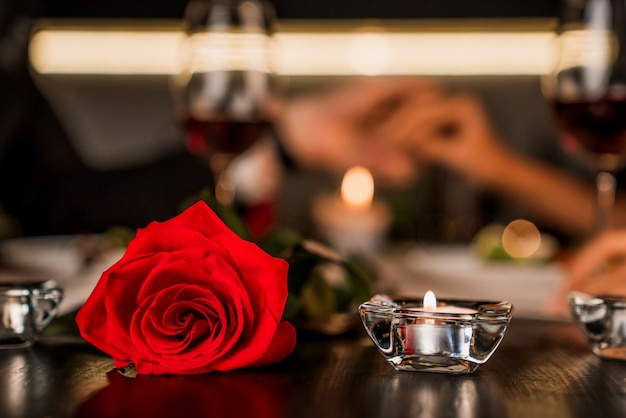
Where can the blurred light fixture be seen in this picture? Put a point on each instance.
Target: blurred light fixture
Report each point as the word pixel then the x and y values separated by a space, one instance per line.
pixel 94 51
pixel 472 53
pixel 58 49
pixel 370 54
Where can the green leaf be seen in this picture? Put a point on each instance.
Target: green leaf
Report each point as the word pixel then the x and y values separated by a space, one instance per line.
pixel 359 288
pixel 360 276
pixel 233 221
pixel 293 306
pixel 363 268
pixel 343 298
pixel 318 298
pixel 120 236
pixel 301 265
pixel 63 325
pixel 279 242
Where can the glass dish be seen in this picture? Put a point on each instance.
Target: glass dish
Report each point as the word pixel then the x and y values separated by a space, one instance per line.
pixel 603 321
pixel 457 337
pixel 26 309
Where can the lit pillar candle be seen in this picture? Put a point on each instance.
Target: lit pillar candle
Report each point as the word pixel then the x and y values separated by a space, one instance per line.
pixel 352 222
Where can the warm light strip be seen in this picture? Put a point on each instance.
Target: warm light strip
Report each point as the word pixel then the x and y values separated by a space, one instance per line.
pixel 59 51
pixel 417 53
pixel 104 52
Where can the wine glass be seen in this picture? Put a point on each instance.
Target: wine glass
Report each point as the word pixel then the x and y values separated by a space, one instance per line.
pixel 586 89
pixel 226 94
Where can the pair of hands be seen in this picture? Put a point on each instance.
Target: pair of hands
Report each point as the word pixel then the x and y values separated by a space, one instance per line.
pixel 395 127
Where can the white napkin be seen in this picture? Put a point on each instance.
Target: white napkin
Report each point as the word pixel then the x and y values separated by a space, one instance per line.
pixel 58 258
pixel 455 272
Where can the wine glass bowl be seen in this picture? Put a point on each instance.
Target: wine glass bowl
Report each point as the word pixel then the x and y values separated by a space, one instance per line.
pixel 226 93
pixel 586 89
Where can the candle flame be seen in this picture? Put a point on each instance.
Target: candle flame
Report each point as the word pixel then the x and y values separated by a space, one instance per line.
pixel 430 301
pixel 357 188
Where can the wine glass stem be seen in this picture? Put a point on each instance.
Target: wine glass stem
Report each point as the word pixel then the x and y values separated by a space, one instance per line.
pixel 605 185
pixel 224 186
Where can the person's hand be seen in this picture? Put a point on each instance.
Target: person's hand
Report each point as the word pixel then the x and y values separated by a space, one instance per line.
pixel 334 129
pixel 600 267
pixel 450 130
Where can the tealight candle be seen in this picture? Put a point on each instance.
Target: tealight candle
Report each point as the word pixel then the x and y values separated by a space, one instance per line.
pixel 433 335
pixel 456 337
pixel 352 222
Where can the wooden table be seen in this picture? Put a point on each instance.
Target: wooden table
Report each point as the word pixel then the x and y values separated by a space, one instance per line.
pixel 542 369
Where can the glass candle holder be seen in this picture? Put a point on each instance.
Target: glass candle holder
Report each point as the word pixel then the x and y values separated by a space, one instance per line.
pixel 603 321
pixel 457 336
pixel 26 309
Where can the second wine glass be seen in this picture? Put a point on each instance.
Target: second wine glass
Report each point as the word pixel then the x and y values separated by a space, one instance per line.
pixel 226 93
pixel 587 89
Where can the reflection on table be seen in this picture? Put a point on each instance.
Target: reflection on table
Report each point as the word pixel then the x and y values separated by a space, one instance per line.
pixel 541 369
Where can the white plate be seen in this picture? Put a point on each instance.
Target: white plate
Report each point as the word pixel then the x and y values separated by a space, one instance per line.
pixel 455 272
pixel 60 258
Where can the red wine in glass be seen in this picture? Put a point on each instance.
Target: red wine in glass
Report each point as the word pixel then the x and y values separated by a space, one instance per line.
pixel 224 114
pixel 206 138
pixel 597 131
pixel 217 141
pixel 593 127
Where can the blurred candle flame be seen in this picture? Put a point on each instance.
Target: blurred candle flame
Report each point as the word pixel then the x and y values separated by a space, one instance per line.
pixel 357 188
pixel 430 301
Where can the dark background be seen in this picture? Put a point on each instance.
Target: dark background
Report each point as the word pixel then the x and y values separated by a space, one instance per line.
pixel 35 147
pixel 315 9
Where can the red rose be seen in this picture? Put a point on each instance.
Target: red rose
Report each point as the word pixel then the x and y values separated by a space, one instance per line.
pixel 189 296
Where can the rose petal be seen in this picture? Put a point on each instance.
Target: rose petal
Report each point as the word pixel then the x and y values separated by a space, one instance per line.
pixel 282 345
pixel 252 348
pixel 104 323
pixel 193 266
pixel 148 338
pixel 224 285
pixel 120 301
pixel 191 228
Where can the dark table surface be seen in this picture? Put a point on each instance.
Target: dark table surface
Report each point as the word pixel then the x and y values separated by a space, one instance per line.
pixel 541 369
